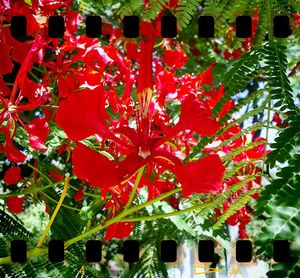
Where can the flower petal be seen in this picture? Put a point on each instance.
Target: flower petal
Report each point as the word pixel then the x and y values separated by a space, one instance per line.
pixel 196 115
pixel 38 131
pixel 79 195
pixel 175 58
pixel 15 204
pixel 12 153
pixel 82 115
pixel 119 230
pixel 101 172
pixel 206 76
pixel 203 176
pixel 12 175
pixel 258 151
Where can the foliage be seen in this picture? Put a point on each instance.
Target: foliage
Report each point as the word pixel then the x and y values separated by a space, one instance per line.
pixel 207 78
pixel 279 201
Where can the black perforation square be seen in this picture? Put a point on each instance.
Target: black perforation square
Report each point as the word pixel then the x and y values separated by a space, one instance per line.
pixel 93 251
pixel 56 251
pixel 206 251
pixel 18 27
pixel 56 26
pixel 168 251
pixel 18 251
pixel 243 251
pixel 281 26
pixel 131 251
pixel 281 251
pixel 93 25
pixel 168 26
pixel 243 27
pixel 206 28
pixel 131 26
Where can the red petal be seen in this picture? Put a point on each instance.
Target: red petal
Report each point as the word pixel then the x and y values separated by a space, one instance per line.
pixel 38 131
pixel 54 174
pixel 233 219
pixel 12 175
pixel 81 115
pixel 131 51
pixel 6 65
pixel 119 230
pixel 98 170
pixel 203 176
pixel 66 85
pixel 3 87
pixel 93 167
pixel 20 50
pixel 276 119
pixel 175 58
pixel 258 151
pixel 207 76
pixel 197 116
pixel 13 154
pixel 79 195
pixel 15 204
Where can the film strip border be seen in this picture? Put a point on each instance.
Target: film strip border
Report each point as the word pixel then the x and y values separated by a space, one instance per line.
pixel 168 251
pixel 56 26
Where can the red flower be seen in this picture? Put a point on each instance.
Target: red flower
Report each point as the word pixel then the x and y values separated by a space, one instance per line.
pixel 12 153
pixel 131 51
pixel 174 202
pixel 297 19
pixel 143 145
pixel 258 151
pixel 15 204
pixel 12 175
pixel 79 195
pixel 92 115
pixel 38 131
pixel 175 58
pixel 119 230
pixel 203 176
pixel 109 173
pixel 206 76
pixel 196 116
pixel 278 121
pixel 54 173
pixel 9 116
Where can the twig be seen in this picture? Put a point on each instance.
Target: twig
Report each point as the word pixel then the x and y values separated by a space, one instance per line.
pixel 63 195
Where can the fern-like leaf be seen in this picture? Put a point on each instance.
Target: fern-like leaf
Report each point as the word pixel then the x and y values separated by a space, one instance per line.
pixel 238 76
pixel 9 226
pixel 130 8
pixel 153 9
pixel 185 11
pixel 277 73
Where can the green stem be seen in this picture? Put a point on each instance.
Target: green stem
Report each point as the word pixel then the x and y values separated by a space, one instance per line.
pixel 136 184
pixel 34 76
pixel 32 190
pixel 159 44
pixel 152 201
pixel 270 23
pixel 85 193
pixel 54 201
pixel 38 69
pixel 42 174
pixel 62 197
pixel 163 215
pixel 43 251
pixel 267 133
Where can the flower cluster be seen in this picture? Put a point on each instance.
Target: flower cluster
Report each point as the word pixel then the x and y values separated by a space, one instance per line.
pixel 119 95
